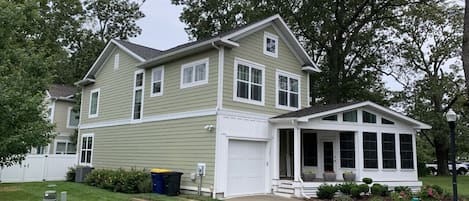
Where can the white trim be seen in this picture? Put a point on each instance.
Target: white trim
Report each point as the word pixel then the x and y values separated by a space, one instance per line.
pixel 81 146
pixel 106 52
pixel 221 62
pixel 69 111
pixel 155 118
pixel 97 103
pixel 308 93
pixel 133 96
pixel 192 65
pixel 289 76
pixel 419 124
pixel 153 80
pixel 116 61
pixel 52 111
pixel 251 65
pixel 271 36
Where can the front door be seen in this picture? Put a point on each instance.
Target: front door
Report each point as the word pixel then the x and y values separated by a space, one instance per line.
pixel 328 157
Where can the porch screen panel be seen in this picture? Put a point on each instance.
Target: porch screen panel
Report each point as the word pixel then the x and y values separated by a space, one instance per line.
pixel 389 150
pixel 407 154
pixel 347 150
pixel 370 150
pixel 310 149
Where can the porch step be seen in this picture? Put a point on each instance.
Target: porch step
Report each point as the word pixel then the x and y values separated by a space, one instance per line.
pixel 286 190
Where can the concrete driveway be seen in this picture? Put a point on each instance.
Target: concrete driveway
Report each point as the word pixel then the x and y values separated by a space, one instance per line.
pixel 262 198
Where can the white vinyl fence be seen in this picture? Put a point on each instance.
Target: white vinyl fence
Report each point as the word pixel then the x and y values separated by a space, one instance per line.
pixel 49 167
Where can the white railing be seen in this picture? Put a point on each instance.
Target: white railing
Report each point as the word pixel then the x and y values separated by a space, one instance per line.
pixel 303 189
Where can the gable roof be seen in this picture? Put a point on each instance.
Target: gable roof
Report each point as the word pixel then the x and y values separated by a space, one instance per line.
pixel 139 52
pixel 62 92
pixel 152 57
pixel 306 114
pixel 228 39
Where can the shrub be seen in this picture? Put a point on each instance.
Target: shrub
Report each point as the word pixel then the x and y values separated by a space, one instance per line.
pixel 346 187
pixel 377 189
pixel 343 198
pixel 355 192
pixel 402 189
pixel 364 188
pixel 120 180
pixel 438 189
pixel 326 191
pixel 367 180
pixel 71 174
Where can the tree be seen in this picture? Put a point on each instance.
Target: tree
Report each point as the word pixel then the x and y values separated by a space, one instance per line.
pixel 429 39
pixel 465 47
pixel 25 55
pixel 347 38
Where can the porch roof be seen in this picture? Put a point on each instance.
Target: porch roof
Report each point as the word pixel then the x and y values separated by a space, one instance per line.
pixel 306 114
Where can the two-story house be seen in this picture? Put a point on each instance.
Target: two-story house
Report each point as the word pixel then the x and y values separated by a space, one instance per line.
pixel 237 103
pixel 60 102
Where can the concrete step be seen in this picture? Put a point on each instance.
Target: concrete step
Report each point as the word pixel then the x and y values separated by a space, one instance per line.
pixel 286 190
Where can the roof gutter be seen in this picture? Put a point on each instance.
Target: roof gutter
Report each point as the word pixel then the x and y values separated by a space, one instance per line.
pixel 85 82
pixel 187 51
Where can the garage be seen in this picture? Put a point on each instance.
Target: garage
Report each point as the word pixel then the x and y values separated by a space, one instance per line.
pixel 246 167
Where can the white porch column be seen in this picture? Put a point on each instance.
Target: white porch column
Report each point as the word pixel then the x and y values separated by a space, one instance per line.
pixel 297 153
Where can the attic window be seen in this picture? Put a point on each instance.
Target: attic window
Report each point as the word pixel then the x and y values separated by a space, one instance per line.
pixel 270 44
pixel 330 118
pixel 368 117
pixel 350 116
pixel 386 121
pixel 116 61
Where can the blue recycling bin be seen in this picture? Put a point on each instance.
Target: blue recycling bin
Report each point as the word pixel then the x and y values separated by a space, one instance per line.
pixel 157 179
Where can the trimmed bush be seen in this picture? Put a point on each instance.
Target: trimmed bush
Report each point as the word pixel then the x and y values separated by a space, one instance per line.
pixel 71 174
pixel 438 189
pixel 120 180
pixel 355 192
pixel 377 189
pixel 364 188
pixel 367 180
pixel 346 187
pixel 326 191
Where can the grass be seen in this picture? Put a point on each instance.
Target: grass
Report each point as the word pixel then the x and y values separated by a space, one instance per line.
pixel 446 183
pixel 78 192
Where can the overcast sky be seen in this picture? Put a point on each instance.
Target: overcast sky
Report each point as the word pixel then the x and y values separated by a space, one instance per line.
pixel 162 29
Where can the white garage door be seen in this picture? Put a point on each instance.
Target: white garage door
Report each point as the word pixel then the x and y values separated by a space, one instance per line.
pixel 246 167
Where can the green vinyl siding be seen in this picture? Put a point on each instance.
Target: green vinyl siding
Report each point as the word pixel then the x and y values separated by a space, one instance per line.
pixel 162 144
pixel 175 99
pixel 116 87
pixel 251 48
pixel 60 117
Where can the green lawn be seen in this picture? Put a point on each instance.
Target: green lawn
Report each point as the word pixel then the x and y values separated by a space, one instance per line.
pixel 77 192
pixel 446 183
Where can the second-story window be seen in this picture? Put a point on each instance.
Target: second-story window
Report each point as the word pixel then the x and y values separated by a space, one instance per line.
pixel 94 103
pixel 72 118
pixel 195 73
pixel 288 92
pixel 157 76
pixel 138 95
pixel 249 82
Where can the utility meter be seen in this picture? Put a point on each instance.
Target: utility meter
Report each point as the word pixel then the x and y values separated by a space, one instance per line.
pixel 201 169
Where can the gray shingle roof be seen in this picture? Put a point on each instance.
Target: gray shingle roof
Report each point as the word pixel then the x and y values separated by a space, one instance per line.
pixel 140 50
pixel 59 90
pixel 314 110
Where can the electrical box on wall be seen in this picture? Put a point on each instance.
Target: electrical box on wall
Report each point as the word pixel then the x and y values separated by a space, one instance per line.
pixel 201 169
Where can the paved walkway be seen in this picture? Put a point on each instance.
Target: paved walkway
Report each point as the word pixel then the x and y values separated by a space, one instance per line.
pixel 262 198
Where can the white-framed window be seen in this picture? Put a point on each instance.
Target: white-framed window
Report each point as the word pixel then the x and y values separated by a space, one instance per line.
pixel 288 93
pixel 116 61
pixel 65 147
pixel 86 149
pixel 94 103
pixel 157 81
pixel 50 112
pixel 72 118
pixel 249 84
pixel 137 103
pixel 194 73
pixel 270 44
